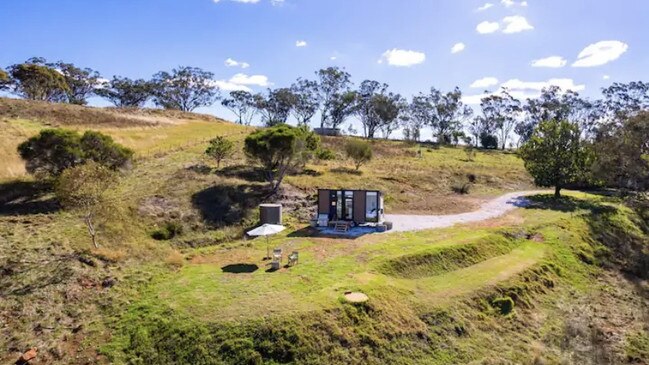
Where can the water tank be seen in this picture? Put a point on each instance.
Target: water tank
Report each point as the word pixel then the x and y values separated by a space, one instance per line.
pixel 270 213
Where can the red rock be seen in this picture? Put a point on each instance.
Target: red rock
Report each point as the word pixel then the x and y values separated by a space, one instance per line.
pixel 27 356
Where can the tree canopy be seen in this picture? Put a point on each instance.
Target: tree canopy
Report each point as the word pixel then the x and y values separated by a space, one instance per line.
pixel 125 93
pixel 333 88
pixel 242 104
pixel 555 155
pixel 52 151
pixel 35 80
pixel 279 149
pixel 185 89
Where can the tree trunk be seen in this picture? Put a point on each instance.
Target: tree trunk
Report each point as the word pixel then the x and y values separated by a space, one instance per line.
pixel 557 192
pixel 91 230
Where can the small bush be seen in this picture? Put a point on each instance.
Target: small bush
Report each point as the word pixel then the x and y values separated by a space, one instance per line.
pixel 489 141
pixel 325 154
pixel 359 151
pixel 461 188
pixel 504 305
pixel 175 259
pixel 167 232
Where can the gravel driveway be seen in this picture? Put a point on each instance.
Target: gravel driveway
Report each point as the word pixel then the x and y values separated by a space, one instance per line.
pixel 491 209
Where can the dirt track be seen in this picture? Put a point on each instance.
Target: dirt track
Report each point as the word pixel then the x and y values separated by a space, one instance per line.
pixel 491 209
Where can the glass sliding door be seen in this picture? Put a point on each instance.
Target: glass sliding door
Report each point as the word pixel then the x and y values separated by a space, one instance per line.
pixel 349 206
pixel 372 206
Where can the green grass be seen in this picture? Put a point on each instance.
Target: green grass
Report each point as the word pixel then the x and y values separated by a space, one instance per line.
pixel 297 315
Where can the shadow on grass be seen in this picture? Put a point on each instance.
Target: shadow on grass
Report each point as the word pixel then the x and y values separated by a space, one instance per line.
pixel 352 234
pixel 23 278
pixel 346 170
pixel 240 268
pixel 566 204
pixel 26 197
pixel 310 172
pixel 245 172
pixel 225 205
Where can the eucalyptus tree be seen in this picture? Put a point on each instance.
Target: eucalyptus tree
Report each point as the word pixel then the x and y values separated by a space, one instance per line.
pixel 242 104
pixel 625 100
pixel 448 113
pixel 81 82
pixel 35 79
pixel 306 100
pixel 124 92
pixel 500 113
pixel 334 91
pixel 185 89
pixel 275 107
pixel 366 106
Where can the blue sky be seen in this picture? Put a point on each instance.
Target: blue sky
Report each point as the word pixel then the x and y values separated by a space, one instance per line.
pixel 406 43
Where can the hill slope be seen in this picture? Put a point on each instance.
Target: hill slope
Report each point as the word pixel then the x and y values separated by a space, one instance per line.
pixel 572 270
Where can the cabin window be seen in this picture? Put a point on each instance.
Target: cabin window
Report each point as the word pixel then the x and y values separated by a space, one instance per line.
pixel 372 206
pixel 349 206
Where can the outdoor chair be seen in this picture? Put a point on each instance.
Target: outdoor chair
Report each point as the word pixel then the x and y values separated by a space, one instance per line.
pixel 293 258
pixel 277 259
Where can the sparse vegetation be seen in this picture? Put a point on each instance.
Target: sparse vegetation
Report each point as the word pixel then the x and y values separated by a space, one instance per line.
pixel 83 188
pixel 358 151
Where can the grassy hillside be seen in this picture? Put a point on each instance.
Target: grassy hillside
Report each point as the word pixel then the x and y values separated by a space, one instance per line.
pixel 558 283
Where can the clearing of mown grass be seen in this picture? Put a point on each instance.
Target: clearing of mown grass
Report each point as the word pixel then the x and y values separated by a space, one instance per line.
pixel 328 268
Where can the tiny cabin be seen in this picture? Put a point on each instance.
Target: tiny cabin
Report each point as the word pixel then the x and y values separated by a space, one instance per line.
pixel 357 206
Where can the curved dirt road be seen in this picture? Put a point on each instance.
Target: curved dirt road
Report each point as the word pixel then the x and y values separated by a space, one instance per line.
pixel 491 209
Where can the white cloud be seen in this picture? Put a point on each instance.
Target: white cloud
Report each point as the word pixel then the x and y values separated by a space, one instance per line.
pixel 300 44
pixel 510 3
pixel 515 24
pixel 522 90
pixel 277 2
pixel 606 77
pixel 333 58
pixel 402 58
pixel 255 80
pixel 484 82
pixel 229 86
pixel 458 47
pixel 487 27
pixel 600 53
pixel 532 86
pixel 234 63
pixel 552 62
pixel 243 82
pixel 485 7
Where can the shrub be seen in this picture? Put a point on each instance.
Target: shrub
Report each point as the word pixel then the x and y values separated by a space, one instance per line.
pixel 504 305
pixel 461 188
pixel 488 141
pixel 359 151
pixel 167 232
pixel 53 150
pixel 219 149
pixel 325 154
pixel 175 259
